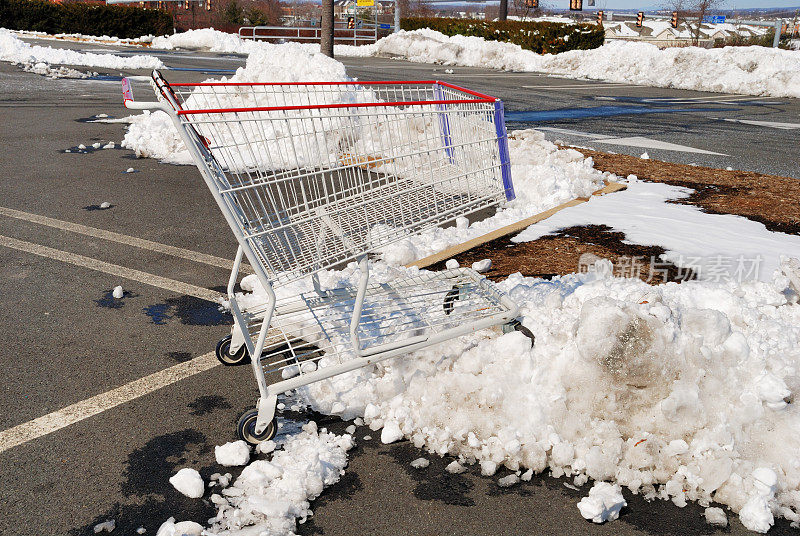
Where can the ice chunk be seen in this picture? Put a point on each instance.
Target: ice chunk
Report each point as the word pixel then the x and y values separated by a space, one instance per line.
pixel 451 264
pixel 232 453
pixel 97 145
pixel 645 156
pixel 182 528
pixel 130 170
pixel 756 515
pixel 81 146
pixel 105 526
pixel 105 205
pixel 265 447
pixel 455 468
pixel 189 482
pixel 603 503
pixel 716 516
pixel 391 432
pixel 118 292
pixel 141 530
pixel 420 463
pixel 508 481
pixel 482 265
pixel 109 145
pixel 350 429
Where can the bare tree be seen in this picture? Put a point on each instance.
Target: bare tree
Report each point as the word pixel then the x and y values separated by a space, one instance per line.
pixel 326 28
pixel 693 12
pixel 503 15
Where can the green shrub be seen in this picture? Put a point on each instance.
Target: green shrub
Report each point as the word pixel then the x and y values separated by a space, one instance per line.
pixel 89 19
pixel 540 37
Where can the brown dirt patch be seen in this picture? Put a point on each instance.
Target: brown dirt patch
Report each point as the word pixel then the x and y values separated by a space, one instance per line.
pixel 769 199
pixel 560 254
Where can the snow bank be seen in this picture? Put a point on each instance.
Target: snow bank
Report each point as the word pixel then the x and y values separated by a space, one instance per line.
pixel 679 392
pixel 728 247
pixel 743 70
pixel 15 51
pixel 269 496
pixel 206 39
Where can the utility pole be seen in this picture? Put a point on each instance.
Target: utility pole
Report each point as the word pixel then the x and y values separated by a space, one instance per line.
pixel 326 29
pixel 503 10
pixel 396 15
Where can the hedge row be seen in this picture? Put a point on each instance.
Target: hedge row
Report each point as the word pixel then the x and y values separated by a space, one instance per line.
pixel 89 19
pixel 540 37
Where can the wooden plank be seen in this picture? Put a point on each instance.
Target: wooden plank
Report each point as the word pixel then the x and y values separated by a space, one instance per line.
pixel 519 226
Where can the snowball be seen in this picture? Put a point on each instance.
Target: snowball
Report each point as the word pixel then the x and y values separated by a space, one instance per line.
pixel 391 432
pixel 189 482
pixel 716 516
pixel 105 526
pixel 420 463
pixel 118 292
pixel 482 265
pixel 603 503
pixel 508 481
pixel 451 264
pixel 233 453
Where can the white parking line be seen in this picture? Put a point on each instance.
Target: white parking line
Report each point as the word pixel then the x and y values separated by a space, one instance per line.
pixel 113 269
pixel 84 409
pixel 111 236
pixel 583 86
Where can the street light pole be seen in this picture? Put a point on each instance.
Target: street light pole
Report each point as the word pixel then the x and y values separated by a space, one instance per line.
pixel 396 16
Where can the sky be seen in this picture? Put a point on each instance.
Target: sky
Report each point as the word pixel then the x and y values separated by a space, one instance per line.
pixel 632 4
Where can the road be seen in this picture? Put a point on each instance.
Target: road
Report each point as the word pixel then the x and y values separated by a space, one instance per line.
pixel 67 340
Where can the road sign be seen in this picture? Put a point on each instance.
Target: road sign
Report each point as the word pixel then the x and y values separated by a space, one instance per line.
pixel 365 3
pixel 385 26
pixel 714 19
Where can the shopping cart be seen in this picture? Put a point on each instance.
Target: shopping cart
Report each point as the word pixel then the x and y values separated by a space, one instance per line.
pixel 310 176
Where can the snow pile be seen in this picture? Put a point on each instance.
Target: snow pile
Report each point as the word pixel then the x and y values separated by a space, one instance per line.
pixel 189 482
pixel 206 39
pixel 269 496
pixel 743 70
pixel 729 247
pixel 17 51
pixel 104 39
pixel 603 503
pixel 679 392
pixel 232 454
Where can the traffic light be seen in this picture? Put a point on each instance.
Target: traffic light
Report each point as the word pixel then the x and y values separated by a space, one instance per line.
pixel 351 23
pixel 576 5
pixel 639 19
pixel 600 18
pixel 674 19
pixel 532 4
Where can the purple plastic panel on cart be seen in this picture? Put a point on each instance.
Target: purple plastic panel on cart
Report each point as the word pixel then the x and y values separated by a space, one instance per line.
pixel 502 143
pixel 444 122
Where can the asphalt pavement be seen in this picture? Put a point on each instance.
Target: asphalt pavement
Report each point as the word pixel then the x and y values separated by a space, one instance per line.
pixel 67 340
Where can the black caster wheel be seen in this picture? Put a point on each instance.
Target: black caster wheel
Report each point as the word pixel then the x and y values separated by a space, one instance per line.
pixel 227 358
pixel 246 429
pixel 450 299
pixel 516 325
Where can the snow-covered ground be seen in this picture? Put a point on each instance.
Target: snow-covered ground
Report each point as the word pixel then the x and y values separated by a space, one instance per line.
pixel 39 59
pixel 679 392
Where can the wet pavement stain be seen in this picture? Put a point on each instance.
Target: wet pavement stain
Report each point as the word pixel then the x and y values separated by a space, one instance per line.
pixel 189 310
pixel 207 404
pixel 92 208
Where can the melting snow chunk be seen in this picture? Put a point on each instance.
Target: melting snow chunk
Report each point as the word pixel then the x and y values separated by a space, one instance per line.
pixel 716 516
pixel 455 468
pixel 508 481
pixel 645 156
pixel 233 453
pixel 105 526
pixel 81 146
pixel 105 204
pixel 451 264
pixel 603 503
pixel 109 145
pixel 391 432
pixel 350 429
pixel 130 170
pixel 182 528
pixel 420 463
pixel 141 530
pixel 118 292
pixel 482 265
pixel 97 145
pixel 189 482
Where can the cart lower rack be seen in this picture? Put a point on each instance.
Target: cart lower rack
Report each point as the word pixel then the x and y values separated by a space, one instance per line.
pixel 312 175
